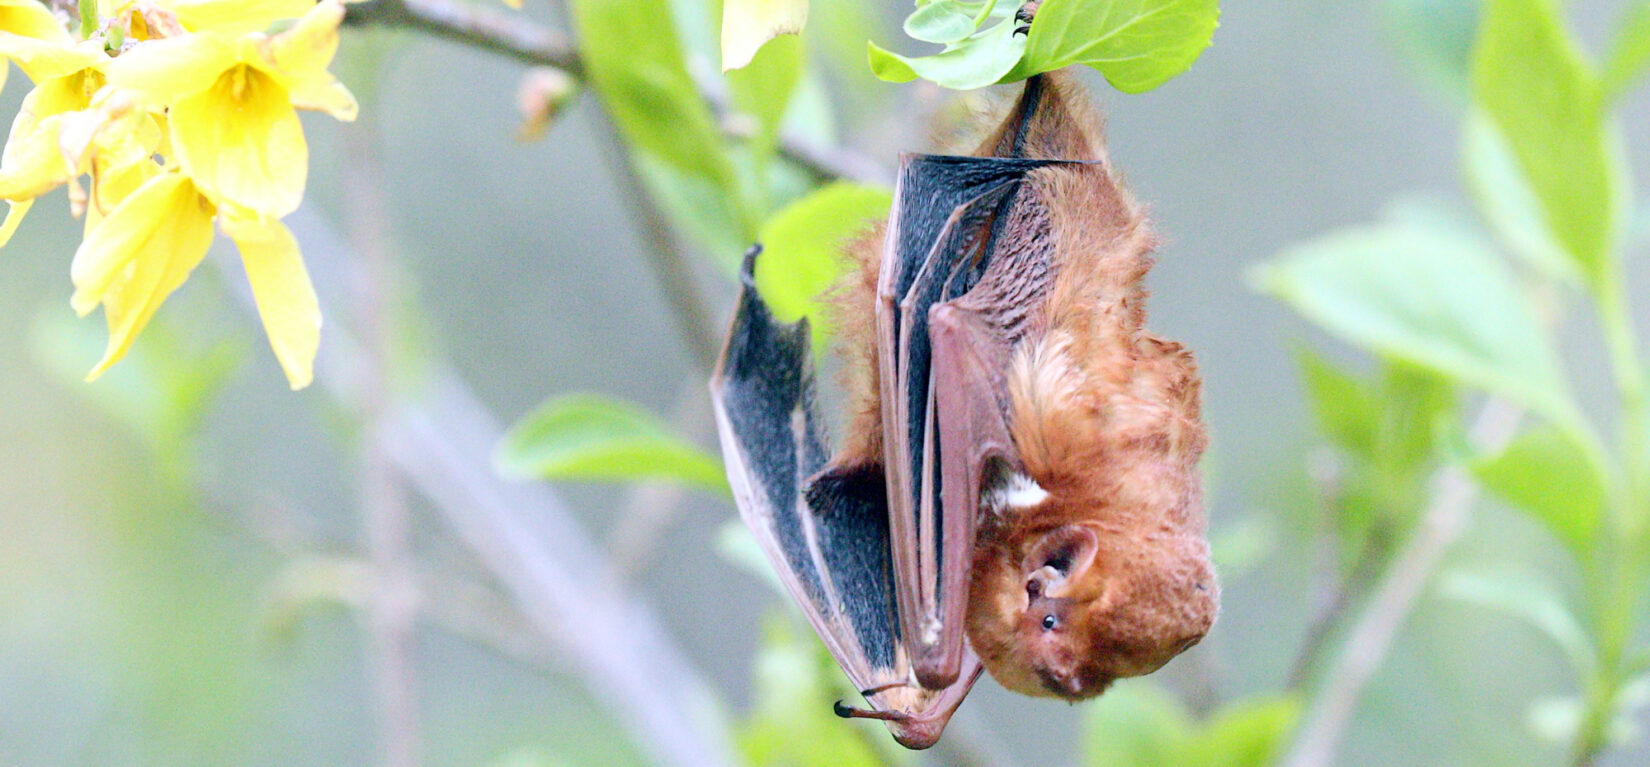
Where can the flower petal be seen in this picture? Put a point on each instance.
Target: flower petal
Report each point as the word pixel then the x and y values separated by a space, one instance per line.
pixel 257 160
pixel 281 286
pixel 330 97
pixel 156 214
pixel 32 19
pixel 15 211
pixel 111 185
pixel 160 72
pixel 32 163
pixel 304 51
pixel 234 18
pixel 43 60
pixel 142 252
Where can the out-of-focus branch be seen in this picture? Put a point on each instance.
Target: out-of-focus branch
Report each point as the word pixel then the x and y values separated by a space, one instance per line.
pixel 526 538
pixel 665 257
pixel 474 24
pixel 515 36
pixel 1442 521
pixel 392 604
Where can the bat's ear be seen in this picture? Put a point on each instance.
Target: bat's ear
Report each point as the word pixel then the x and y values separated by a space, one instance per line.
pixel 1058 559
pixel 1052 120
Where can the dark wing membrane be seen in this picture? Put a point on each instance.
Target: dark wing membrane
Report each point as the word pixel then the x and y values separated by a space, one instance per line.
pixel 825 533
pixel 941 237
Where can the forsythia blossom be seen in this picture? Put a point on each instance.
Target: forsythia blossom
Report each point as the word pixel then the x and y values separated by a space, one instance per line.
pixel 178 113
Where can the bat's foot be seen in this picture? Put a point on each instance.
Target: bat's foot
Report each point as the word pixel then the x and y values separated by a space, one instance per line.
pixel 854 712
pixel 1024 16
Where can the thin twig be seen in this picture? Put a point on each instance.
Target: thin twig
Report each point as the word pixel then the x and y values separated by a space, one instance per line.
pixel 1346 590
pixel 665 256
pixel 474 24
pixel 393 605
pixel 526 538
pixel 1443 520
pixel 515 36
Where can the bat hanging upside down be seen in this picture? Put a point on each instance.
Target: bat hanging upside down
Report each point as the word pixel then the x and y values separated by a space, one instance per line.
pixel 1018 486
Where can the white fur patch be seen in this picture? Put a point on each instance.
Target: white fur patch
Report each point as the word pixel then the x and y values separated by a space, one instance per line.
pixel 1018 492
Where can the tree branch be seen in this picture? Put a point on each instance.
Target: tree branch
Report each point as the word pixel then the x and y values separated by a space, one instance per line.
pixel 386 519
pixel 1366 647
pixel 526 538
pixel 516 37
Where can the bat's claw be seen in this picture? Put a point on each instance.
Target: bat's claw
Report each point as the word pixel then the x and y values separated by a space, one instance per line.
pixel 747 267
pixel 1024 16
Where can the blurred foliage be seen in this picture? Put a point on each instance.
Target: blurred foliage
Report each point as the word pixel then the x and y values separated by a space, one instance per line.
pixel 1545 162
pixel 1450 309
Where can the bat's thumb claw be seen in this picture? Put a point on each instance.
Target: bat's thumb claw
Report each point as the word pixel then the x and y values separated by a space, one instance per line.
pixel 843 710
pixel 747 269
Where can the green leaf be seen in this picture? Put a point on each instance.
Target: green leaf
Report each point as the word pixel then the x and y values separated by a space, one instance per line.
pixel 1347 408
pixel 1436 37
pixel 941 22
pixel 1507 203
pixel 763 90
pixel 1547 475
pixel 1528 600
pixel 1137 44
pixel 1429 298
pixel 634 62
pixel 1419 405
pixel 748 24
pixel 1630 54
pixel 1140 724
pixel 803 248
pixel 1530 77
pixel 1247 733
pixel 591 437
pixel 791 723
pixel 1137 723
pixel 973 62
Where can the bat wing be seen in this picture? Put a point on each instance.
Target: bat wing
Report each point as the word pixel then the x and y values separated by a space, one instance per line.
pixel 827 535
pixel 949 213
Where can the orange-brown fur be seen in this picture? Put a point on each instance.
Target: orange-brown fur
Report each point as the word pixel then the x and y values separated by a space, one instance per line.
pixel 1104 417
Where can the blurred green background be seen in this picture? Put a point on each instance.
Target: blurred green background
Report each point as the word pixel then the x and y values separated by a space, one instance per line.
pixel 179 584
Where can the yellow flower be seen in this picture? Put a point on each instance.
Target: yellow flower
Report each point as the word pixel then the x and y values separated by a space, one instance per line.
pixel 234 17
pixel 280 284
pixel 232 117
pixel 30 35
pixel 141 252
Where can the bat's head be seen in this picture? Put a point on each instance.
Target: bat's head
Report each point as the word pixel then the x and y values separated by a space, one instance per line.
pixel 1072 608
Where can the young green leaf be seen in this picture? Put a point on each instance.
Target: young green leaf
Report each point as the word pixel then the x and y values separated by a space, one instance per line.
pixel 1528 600
pixel 942 21
pixel 1545 474
pixel 1507 203
pixel 595 438
pixel 748 24
pixel 1137 44
pixel 1436 37
pixel 1430 298
pixel 763 90
pixel 634 62
pixel 1347 408
pixel 1532 80
pixel 1630 53
pixel 802 248
pixel 791 726
pixel 1247 733
pixel 976 61
pixel 1137 723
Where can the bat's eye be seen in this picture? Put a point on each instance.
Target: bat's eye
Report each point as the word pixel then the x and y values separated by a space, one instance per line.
pixel 1049 622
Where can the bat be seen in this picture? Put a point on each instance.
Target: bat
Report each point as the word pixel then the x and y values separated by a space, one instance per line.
pixel 1017 487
